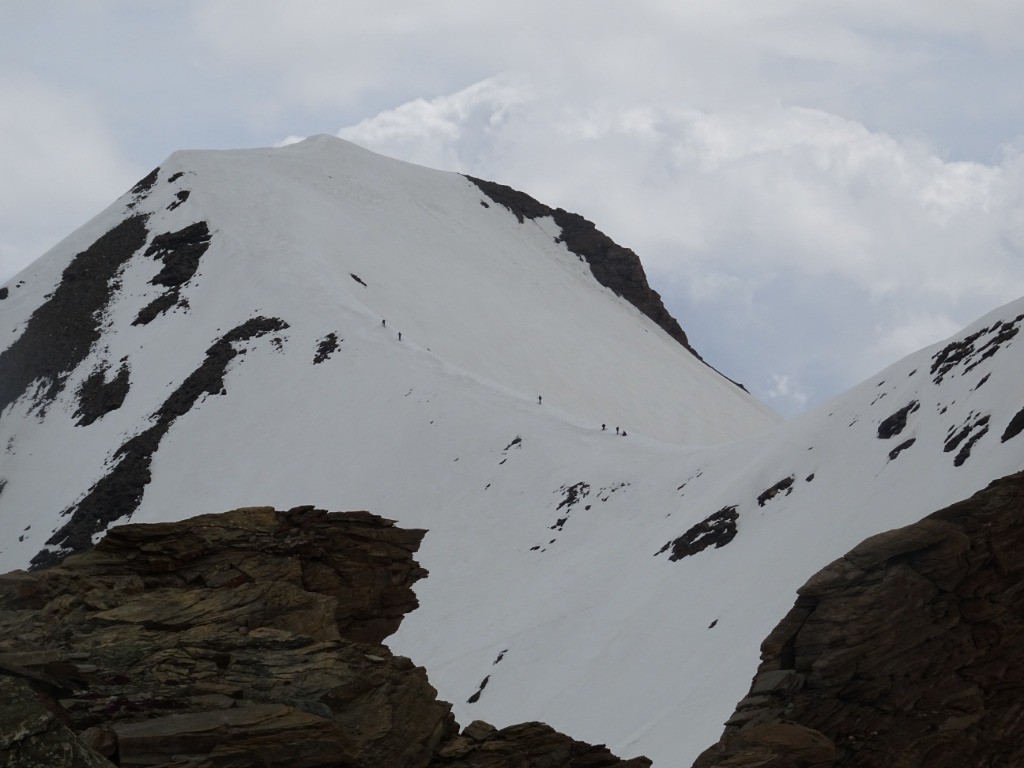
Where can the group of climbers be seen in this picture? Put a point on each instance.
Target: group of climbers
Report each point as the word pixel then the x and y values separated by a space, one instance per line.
pixel 604 427
pixel 384 324
pixel 540 398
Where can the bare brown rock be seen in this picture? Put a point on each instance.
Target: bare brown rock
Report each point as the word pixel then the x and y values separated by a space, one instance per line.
pixel 527 745
pixel 32 735
pixel 250 638
pixel 613 266
pixel 905 652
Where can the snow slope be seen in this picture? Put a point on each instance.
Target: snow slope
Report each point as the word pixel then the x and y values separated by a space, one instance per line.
pixel 551 594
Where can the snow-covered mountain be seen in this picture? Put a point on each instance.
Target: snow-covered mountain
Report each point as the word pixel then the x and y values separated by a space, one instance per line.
pixel 227 334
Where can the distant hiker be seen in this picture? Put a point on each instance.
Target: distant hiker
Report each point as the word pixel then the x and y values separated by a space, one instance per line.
pixel 623 433
pixel 383 322
pixel 616 430
pixel 604 427
pixel 399 335
pixel 538 399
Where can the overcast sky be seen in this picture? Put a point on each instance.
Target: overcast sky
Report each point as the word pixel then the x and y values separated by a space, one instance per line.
pixel 816 187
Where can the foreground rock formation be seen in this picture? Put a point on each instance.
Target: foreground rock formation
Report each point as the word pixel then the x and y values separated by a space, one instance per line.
pixel 905 652
pixel 251 638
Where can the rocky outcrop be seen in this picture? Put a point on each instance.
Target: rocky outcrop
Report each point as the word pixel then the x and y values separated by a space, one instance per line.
pixel 251 633
pixel 528 744
pixel 32 735
pixel 904 652
pixel 250 638
pixel 612 265
pixel 61 332
pixel 179 254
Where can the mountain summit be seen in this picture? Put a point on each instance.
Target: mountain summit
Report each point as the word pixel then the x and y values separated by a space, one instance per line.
pixel 613 526
pixel 329 263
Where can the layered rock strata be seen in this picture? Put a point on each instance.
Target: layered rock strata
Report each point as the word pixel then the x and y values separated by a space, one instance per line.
pixel 251 638
pixel 905 652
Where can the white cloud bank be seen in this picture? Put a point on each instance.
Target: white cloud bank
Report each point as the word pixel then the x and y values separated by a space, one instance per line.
pixel 59 168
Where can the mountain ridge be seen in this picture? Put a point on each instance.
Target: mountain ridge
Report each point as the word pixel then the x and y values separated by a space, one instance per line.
pixel 613 266
pixel 649 557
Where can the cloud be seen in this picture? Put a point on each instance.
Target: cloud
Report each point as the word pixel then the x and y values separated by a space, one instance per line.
pixel 59 167
pixel 898 69
pixel 914 332
pixel 784 394
pixel 455 132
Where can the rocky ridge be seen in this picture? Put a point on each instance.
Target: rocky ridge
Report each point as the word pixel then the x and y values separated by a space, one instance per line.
pixel 904 652
pixel 250 638
pixel 612 265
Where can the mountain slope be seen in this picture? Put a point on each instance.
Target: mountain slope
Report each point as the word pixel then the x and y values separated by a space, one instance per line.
pixel 238 356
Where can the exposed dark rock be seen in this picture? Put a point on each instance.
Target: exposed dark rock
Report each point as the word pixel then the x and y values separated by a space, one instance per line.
pixel 246 639
pixel 605 493
pixel 906 651
pixel 971 350
pixel 574 494
pixel 528 745
pixel 717 529
pixel 517 443
pixel 143 185
pixel 965 451
pixel 60 333
pixel 901 447
pixel 519 203
pixel 476 696
pixel 32 735
pixel 972 432
pixel 180 197
pixel 118 493
pixel 1015 427
pixel 176 176
pixel 3 293
pixel 97 397
pixel 180 253
pixel 894 424
pixel 249 639
pixel 157 306
pixel 612 265
pixel 785 484
pixel 326 347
